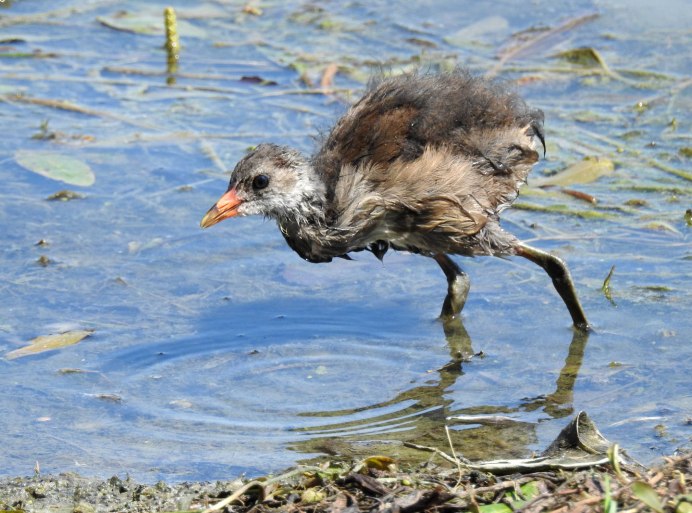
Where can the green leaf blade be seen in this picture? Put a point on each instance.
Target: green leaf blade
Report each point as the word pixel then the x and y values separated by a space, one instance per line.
pixel 56 166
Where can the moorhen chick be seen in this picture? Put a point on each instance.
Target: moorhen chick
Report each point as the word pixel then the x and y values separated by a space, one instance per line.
pixel 422 163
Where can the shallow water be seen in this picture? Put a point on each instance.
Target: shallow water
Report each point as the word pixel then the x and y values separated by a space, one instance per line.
pixel 221 352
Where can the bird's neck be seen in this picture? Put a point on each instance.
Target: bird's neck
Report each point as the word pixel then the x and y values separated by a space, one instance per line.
pixel 306 225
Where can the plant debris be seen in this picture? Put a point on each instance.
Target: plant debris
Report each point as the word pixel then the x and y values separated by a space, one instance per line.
pixel 65 195
pixel 339 488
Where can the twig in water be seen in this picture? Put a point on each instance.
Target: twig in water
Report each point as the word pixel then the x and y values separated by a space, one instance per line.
pixel 532 43
pixel 71 107
pixel 432 449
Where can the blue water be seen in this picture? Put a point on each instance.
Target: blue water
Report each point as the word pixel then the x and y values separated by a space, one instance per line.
pixel 221 352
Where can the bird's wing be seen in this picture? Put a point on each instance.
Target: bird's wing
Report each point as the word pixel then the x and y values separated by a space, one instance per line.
pixel 370 133
pixel 399 117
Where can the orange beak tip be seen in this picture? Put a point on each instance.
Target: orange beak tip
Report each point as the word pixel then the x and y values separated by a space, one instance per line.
pixel 226 207
pixel 209 218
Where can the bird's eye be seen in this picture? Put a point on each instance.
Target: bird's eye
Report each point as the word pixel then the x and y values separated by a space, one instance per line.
pixel 260 182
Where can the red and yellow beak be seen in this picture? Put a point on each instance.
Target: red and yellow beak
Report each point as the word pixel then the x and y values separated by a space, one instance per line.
pixel 227 206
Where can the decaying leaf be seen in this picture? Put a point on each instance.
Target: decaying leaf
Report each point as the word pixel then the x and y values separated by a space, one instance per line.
pixel 65 195
pixel 254 79
pixel 49 343
pixel 585 56
pixel 56 166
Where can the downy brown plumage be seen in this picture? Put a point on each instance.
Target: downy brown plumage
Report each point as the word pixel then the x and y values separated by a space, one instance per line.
pixel 422 163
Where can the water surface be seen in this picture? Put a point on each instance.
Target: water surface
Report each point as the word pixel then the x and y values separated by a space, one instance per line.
pixel 221 352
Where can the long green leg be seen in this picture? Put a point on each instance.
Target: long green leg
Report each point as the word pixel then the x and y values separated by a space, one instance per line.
pixel 458 285
pixel 558 272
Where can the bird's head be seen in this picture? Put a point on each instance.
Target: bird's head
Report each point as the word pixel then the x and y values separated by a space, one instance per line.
pixel 274 181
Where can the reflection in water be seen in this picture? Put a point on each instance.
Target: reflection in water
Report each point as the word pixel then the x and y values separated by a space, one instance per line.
pixel 478 432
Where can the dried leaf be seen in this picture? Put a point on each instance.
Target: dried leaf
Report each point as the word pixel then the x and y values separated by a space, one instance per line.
pixel 56 166
pixel 49 343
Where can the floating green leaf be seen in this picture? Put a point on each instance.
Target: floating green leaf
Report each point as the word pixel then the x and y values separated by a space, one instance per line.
pixel 587 170
pixel 645 493
pixel 56 166
pixel 49 343
pixel 147 22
